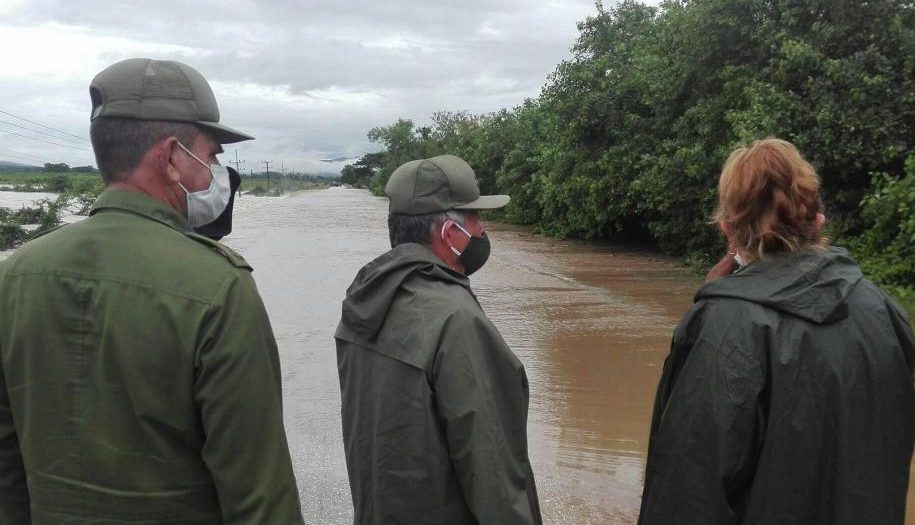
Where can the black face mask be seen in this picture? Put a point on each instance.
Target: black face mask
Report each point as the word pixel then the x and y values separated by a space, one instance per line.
pixel 475 254
pixel 222 226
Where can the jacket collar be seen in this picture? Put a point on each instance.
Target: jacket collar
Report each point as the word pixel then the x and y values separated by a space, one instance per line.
pixel 811 284
pixel 140 204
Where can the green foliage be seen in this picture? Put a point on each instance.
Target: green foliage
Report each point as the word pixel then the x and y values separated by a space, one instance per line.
pixel 627 138
pixel 82 194
pixel 76 194
pixel 359 175
pixel 51 182
pixel 400 147
pixel 56 168
pixel 43 217
pixel 11 235
pixel 887 247
pixel 49 214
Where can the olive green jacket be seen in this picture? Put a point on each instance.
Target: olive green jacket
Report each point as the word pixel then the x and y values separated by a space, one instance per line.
pixel 434 402
pixel 140 381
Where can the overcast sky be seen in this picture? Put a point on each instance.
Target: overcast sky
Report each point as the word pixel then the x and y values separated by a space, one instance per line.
pixel 308 79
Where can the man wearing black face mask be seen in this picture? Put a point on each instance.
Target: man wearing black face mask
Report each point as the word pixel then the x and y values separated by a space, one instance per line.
pixel 434 402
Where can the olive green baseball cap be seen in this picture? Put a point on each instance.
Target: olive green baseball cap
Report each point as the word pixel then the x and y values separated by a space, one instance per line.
pixel 146 89
pixel 435 185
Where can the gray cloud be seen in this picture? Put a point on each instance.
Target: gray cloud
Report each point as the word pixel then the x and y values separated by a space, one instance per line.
pixel 308 78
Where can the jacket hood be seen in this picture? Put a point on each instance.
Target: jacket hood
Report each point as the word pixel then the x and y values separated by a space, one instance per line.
pixel 810 284
pixel 369 297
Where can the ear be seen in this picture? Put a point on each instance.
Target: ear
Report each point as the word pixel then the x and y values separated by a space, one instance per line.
pixel 441 248
pixel 445 232
pixel 169 157
pixel 819 221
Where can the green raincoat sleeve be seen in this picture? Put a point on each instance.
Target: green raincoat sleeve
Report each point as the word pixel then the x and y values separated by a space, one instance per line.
pixel 238 391
pixel 483 401
pixel 14 496
pixel 711 387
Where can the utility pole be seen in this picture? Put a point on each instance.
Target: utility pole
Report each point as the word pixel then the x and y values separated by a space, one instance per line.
pixel 238 164
pixel 267 162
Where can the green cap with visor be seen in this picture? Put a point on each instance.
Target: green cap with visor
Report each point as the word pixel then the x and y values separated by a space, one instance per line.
pixel 146 89
pixel 436 185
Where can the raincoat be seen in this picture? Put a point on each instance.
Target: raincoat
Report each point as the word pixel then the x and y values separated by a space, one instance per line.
pixel 140 380
pixel 787 399
pixel 434 402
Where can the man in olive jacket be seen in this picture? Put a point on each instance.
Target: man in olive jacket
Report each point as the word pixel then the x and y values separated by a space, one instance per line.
pixel 434 402
pixel 140 380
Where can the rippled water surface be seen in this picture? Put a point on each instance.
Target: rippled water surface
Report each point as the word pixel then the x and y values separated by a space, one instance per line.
pixel 592 325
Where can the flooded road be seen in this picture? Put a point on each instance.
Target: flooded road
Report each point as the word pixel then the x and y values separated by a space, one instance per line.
pixel 592 325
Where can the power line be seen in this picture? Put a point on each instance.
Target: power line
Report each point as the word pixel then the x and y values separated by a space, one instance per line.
pixel 21 154
pixel 40 140
pixel 33 130
pixel 42 125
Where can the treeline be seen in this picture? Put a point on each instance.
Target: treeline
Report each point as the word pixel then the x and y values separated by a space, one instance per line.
pixel 627 138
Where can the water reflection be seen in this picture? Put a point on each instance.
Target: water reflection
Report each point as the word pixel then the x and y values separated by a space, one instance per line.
pixel 592 325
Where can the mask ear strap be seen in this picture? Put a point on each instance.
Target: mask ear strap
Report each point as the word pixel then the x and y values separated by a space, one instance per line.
pixel 467 233
pixel 192 155
pixel 444 227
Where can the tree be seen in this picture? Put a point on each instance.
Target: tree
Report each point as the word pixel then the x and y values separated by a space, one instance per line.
pixel 360 174
pixel 56 168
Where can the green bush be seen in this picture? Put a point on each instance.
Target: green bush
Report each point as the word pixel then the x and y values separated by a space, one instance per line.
pixel 886 249
pixel 11 235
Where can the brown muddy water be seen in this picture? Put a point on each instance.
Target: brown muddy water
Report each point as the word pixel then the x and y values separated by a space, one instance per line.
pixel 591 324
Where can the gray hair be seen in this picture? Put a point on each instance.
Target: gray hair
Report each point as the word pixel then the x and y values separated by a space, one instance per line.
pixel 419 229
pixel 121 143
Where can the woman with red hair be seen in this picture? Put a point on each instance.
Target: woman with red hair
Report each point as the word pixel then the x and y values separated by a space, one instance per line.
pixel 787 397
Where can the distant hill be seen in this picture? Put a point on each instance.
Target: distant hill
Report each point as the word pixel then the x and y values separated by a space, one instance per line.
pixel 6 165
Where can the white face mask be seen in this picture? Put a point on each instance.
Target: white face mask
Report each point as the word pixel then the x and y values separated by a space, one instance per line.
pixel 206 205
